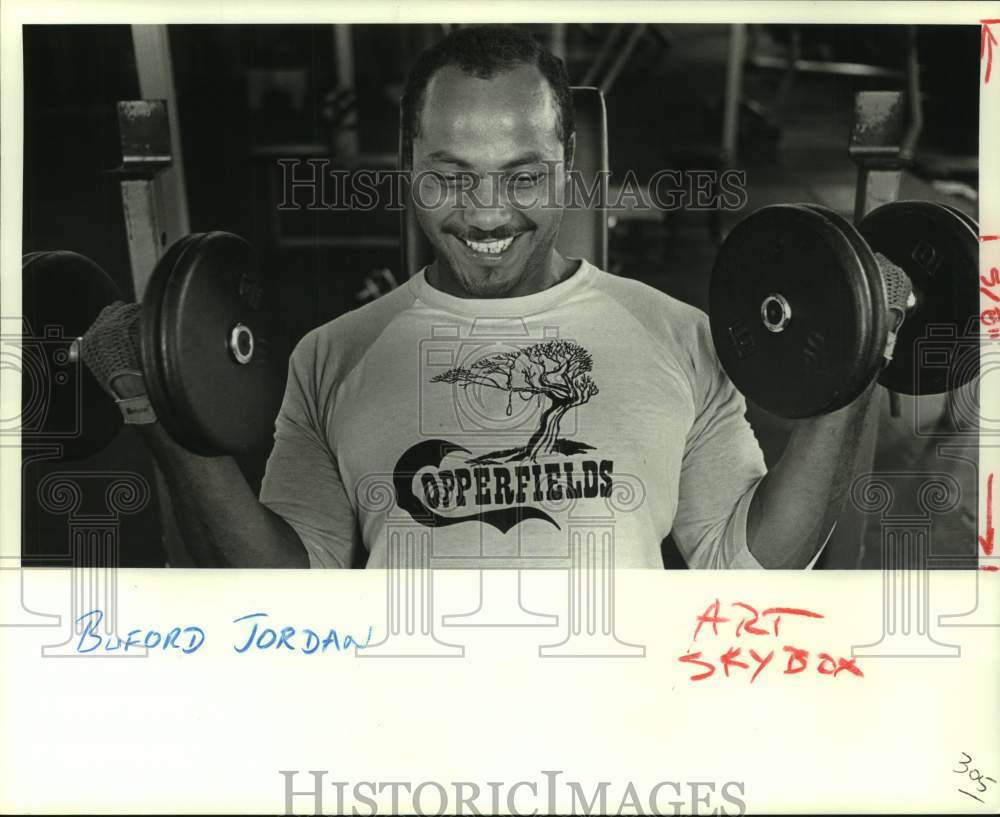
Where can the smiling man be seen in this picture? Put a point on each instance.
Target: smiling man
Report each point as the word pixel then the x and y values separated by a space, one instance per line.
pixel 496 134
pixel 507 401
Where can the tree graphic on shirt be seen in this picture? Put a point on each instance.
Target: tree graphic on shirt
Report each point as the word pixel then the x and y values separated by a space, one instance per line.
pixel 555 370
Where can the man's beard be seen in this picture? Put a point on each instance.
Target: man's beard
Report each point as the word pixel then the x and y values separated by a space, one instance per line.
pixel 486 282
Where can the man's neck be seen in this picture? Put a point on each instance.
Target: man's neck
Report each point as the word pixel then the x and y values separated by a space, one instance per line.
pixel 557 270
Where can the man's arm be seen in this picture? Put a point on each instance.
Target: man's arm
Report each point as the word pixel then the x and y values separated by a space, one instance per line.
pixel 222 523
pixel 735 513
pixel 800 498
pixel 797 503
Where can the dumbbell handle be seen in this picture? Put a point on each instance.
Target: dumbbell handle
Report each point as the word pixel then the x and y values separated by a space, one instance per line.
pixel 241 345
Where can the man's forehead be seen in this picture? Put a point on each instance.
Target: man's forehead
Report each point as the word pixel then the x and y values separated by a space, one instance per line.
pixel 513 111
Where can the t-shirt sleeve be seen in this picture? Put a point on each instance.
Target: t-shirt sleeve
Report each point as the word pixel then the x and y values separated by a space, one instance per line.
pixel 721 468
pixel 302 481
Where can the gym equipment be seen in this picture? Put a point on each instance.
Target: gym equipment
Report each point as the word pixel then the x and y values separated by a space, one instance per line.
pixel 799 304
pixel 374 285
pixel 938 248
pixel 965 217
pixel 213 365
pixel 151 182
pixel 214 368
pixel 796 316
pixel 61 402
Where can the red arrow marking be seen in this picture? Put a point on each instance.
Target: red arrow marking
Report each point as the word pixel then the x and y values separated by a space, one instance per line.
pixel 989 237
pixel 986 543
pixel 986 43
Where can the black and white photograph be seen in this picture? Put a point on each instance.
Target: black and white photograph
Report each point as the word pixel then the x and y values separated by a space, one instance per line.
pixel 698 280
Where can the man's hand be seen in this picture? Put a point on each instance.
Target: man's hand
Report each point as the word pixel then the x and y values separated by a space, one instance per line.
pixel 110 349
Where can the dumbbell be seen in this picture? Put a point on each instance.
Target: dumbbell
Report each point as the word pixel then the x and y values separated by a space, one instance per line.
pixel 798 304
pixel 61 403
pixel 212 359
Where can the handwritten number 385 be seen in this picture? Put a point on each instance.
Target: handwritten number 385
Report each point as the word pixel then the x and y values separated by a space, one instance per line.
pixel 975 775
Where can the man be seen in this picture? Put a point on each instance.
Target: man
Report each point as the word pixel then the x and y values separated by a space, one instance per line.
pixel 505 391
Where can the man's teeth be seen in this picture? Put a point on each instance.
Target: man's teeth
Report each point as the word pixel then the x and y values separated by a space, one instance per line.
pixel 494 247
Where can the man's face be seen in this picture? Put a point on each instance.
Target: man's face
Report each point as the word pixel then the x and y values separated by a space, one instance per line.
pixel 489 155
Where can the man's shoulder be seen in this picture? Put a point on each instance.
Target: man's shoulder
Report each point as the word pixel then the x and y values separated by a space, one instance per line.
pixel 347 337
pixel 663 316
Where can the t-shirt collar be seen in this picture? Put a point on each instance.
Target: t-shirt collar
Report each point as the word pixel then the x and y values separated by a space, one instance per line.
pixel 521 305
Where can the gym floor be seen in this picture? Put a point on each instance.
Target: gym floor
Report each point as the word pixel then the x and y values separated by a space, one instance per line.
pixel 797 153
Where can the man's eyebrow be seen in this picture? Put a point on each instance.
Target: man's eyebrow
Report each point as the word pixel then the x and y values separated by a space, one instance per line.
pixel 447 158
pixel 531 157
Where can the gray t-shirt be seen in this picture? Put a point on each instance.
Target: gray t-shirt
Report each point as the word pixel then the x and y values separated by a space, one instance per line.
pixel 507 432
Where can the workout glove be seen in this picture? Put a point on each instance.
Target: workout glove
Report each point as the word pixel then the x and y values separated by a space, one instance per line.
pixel 897 292
pixel 111 350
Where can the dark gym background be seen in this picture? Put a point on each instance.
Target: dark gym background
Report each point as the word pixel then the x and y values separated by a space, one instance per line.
pixel 246 94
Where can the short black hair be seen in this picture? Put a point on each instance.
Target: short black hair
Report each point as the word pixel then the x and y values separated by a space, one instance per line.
pixel 484 52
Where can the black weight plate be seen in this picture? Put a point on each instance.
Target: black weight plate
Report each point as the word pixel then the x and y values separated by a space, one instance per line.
pixel 159 393
pixel 860 247
pixel 973 225
pixel 61 295
pixel 934 246
pixel 880 335
pixel 218 405
pixel 872 361
pixel 826 353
